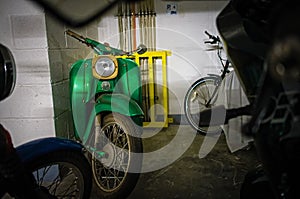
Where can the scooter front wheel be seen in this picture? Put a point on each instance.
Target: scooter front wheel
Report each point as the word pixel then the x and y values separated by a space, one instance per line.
pixel 117 172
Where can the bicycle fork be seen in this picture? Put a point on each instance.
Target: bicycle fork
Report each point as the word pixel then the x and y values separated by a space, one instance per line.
pixel 218 82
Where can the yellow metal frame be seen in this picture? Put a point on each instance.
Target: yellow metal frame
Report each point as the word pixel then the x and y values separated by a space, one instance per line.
pixel 151 56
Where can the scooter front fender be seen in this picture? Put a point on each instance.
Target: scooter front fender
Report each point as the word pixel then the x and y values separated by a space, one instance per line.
pixel 117 103
pixel 40 147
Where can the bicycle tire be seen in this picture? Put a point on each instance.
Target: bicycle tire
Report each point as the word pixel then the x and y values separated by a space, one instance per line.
pixel 194 102
pixel 66 174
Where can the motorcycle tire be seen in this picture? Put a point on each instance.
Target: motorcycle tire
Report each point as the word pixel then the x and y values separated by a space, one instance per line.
pixel 116 175
pixel 63 174
pixel 256 185
pixel 196 100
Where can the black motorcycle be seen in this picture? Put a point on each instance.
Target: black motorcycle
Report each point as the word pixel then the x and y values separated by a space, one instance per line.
pixel 263 43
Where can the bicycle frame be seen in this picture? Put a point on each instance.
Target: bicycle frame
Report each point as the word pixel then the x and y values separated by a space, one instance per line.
pixel 225 70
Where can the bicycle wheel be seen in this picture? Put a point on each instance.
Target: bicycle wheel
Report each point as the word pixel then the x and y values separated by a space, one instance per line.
pixel 196 100
pixel 63 174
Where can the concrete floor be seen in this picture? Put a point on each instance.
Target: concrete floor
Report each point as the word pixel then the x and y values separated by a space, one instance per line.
pixel 217 176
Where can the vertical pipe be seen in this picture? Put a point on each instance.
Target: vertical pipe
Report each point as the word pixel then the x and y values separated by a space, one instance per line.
pixel 146 62
pixel 126 27
pixel 150 11
pixel 129 35
pixel 133 22
pixel 147 29
pixel 154 31
pixel 153 23
pixel 141 23
pixel 120 23
pixel 143 64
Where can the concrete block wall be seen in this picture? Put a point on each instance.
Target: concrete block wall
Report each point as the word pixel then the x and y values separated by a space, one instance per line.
pixel 28 113
pixel 39 105
pixel 63 51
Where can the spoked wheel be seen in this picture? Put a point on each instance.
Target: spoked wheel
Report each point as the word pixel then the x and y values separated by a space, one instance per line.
pixel 197 99
pixel 63 174
pixel 117 171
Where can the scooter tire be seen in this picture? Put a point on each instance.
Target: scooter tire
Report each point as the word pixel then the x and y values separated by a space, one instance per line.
pixel 131 175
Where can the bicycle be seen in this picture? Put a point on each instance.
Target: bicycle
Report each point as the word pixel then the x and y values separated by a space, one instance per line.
pixel 203 94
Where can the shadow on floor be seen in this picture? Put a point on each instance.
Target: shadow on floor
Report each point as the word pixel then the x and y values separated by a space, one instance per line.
pixel 216 176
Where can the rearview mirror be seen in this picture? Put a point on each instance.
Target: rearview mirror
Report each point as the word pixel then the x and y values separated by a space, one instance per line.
pixel 141 49
pixel 7 72
pixel 76 13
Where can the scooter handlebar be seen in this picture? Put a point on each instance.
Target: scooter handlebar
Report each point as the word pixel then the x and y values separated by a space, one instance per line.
pixel 76 36
pixel 103 48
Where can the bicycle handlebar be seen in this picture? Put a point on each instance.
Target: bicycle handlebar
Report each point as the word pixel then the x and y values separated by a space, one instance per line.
pixel 213 39
pixel 207 33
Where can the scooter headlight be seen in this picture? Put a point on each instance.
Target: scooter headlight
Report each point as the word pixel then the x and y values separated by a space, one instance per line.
pixel 105 67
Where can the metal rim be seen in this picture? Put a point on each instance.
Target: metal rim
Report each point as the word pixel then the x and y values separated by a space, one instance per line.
pixel 196 101
pixel 61 179
pixel 110 171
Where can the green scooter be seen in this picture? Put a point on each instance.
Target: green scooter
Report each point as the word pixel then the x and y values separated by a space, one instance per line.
pixel 106 101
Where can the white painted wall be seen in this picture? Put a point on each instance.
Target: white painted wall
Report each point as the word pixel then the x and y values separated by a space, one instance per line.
pixel 28 112
pixel 183 34
pixel 39 105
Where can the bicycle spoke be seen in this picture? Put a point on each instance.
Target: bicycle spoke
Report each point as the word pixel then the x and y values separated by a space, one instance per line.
pixel 202 96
